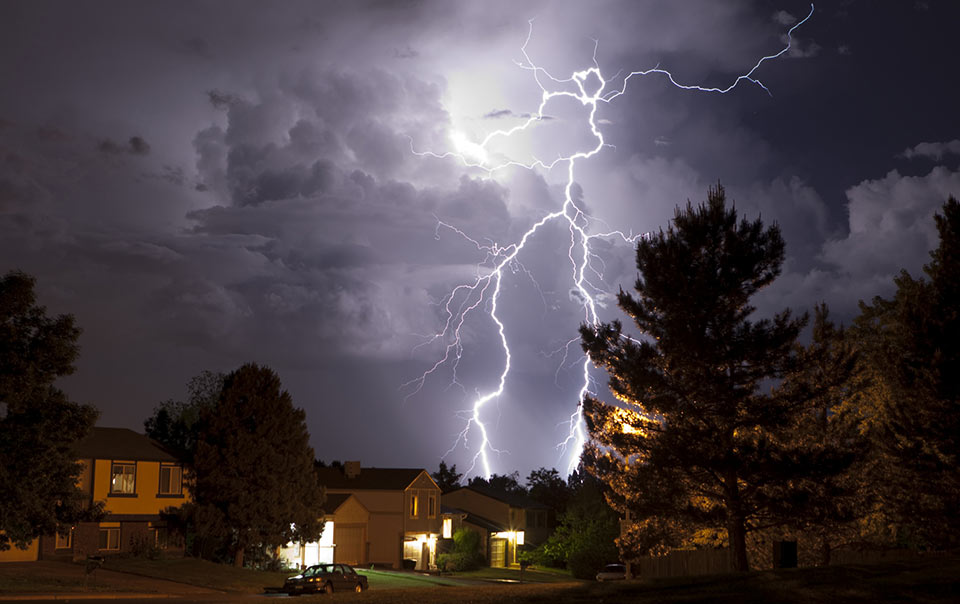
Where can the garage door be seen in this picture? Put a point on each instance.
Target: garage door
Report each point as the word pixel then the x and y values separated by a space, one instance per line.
pixel 498 552
pixel 349 543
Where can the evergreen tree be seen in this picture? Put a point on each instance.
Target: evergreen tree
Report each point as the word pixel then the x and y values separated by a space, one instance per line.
pixel 911 345
pixel 446 478
pixel 255 478
pixel 39 426
pixel 508 484
pixel 546 487
pixel 697 444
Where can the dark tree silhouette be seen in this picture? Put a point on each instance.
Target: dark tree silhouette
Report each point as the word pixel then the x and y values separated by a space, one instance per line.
pixel 697 443
pixel 911 344
pixel 446 478
pixel 255 478
pixel 175 424
pixel 39 426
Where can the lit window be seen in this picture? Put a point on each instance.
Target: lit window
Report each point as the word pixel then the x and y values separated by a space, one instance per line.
pixel 447 528
pixel 64 541
pixel 123 478
pixel 110 538
pixel 171 480
pixel 432 507
pixel 413 506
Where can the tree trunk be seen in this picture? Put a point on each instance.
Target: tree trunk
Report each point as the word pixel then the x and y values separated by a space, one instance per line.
pixel 738 542
pixel 736 524
pixel 824 551
pixel 238 557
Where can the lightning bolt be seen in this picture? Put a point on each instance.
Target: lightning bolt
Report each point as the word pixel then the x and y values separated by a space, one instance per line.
pixel 482 294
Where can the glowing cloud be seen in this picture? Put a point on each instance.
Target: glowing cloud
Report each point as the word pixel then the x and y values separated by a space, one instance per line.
pixel 590 89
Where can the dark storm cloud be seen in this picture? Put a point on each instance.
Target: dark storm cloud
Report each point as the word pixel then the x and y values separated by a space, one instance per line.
pixel 207 186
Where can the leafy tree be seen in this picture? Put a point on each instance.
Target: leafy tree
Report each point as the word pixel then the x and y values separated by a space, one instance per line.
pixel 585 539
pixel 548 488
pixel 508 484
pixel 38 424
pixel 697 444
pixel 255 478
pixel 911 345
pixel 174 424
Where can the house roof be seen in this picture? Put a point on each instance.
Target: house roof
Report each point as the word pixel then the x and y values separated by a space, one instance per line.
pixel 478 521
pixel 511 499
pixel 120 443
pixel 334 501
pixel 373 479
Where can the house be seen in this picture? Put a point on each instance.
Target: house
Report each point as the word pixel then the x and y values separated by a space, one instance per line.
pixel 504 521
pixel 345 524
pixel 394 515
pixel 137 479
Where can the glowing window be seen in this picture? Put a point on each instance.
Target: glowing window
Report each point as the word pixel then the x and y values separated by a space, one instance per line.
pixel 447 528
pixel 123 478
pixel 171 480
pixel 413 506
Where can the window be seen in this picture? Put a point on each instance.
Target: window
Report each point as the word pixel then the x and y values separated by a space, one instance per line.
pixel 413 506
pixel 110 538
pixel 123 478
pixel 171 480
pixel 447 528
pixel 64 541
pixel 432 507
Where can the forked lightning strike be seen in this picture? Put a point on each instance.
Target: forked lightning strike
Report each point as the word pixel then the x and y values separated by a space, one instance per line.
pixel 484 291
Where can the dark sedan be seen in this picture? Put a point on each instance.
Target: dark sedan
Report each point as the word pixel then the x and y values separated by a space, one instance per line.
pixel 327 578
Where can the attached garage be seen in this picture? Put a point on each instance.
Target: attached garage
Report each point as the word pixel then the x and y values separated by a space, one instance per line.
pixel 350 544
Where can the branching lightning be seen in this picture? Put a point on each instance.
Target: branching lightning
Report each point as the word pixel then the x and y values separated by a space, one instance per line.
pixel 483 292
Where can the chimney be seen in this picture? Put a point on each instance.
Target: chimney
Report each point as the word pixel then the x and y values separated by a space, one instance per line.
pixel 351 469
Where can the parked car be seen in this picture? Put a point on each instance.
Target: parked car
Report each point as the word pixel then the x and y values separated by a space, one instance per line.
pixel 327 578
pixel 612 572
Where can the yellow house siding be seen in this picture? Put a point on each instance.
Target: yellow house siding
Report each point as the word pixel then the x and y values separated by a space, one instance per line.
pixel 479 504
pixel 15 554
pixel 145 499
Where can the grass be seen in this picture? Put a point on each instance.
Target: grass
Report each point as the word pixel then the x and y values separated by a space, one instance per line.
pixel 530 575
pixel 202 573
pixel 928 579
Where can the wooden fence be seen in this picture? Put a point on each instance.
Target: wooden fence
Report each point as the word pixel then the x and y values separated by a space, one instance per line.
pixel 683 563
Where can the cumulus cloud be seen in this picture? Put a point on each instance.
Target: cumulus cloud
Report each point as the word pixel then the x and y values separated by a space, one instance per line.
pixel 891 225
pixel 935 151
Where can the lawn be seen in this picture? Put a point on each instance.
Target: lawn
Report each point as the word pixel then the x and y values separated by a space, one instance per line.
pixel 200 572
pixel 514 575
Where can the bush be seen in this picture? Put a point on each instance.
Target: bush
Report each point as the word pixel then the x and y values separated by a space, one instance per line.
pixel 142 546
pixel 457 562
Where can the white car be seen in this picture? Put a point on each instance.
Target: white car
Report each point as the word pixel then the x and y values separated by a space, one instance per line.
pixel 612 572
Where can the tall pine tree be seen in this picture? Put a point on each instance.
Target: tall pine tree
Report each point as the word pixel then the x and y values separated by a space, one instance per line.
pixel 911 345
pixel 696 443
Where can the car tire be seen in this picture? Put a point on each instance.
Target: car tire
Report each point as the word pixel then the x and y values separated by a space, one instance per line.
pixel 328 588
pixel 358 588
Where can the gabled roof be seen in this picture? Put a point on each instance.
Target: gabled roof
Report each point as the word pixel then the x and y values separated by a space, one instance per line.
pixel 479 521
pixel 334 501
pixel 372 479
pixel 121 443
pixel 513 500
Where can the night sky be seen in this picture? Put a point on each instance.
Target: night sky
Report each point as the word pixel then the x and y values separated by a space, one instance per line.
pixel 204 184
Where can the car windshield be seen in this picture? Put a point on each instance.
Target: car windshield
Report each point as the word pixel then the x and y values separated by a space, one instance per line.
pixel 315 570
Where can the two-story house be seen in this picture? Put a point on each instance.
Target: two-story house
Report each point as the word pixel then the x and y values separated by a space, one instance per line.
pixel 505 521
pixel 136 479
pixel 402 515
